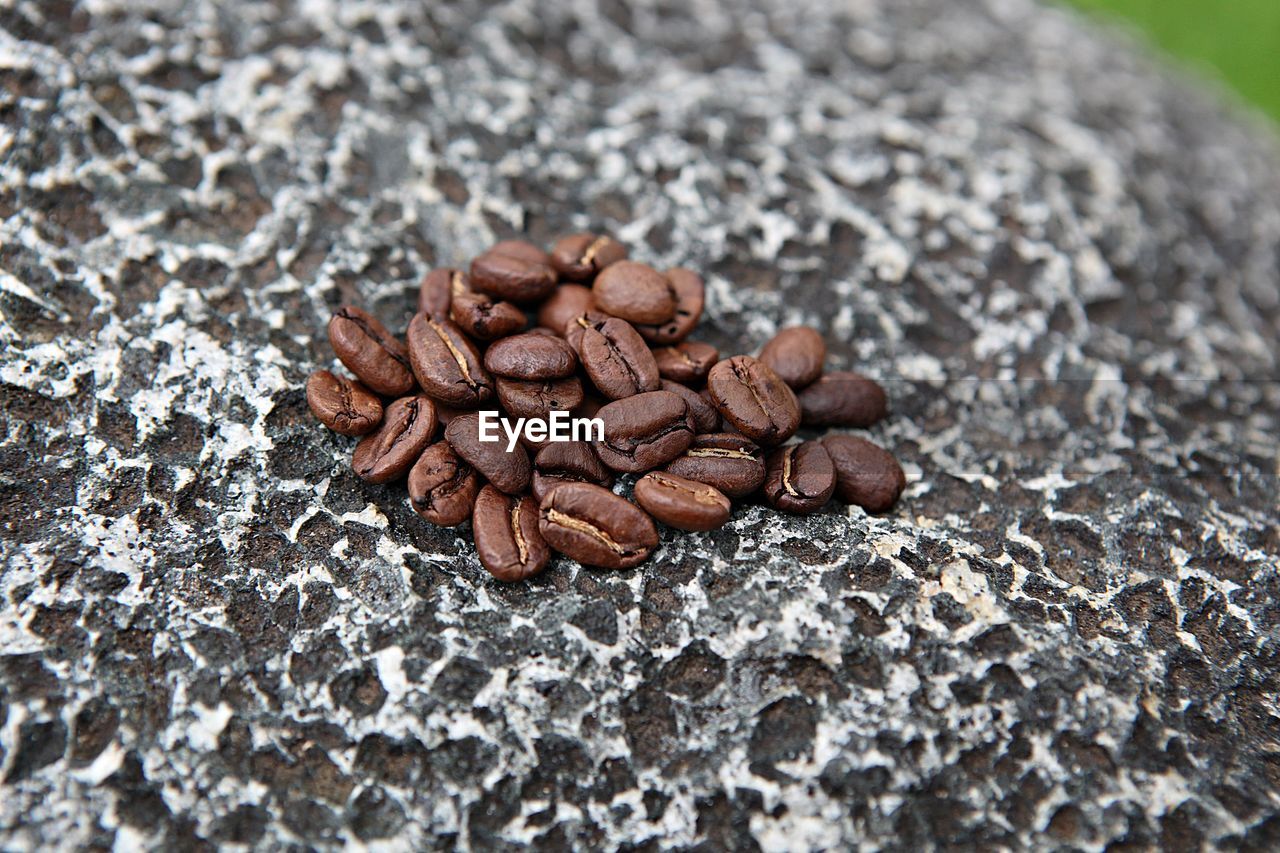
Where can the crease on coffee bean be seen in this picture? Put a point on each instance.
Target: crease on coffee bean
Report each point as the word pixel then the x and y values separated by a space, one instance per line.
pixel 455 352
pixel 652 438
pixel 702 496
pixel 787 456
pixel 372 335
pixel 395 434
pixel 522 549
pixel 719 453
pixel 738 370
pixel 589 255
pixel 586 528
pixel 446 489
pixel 615 354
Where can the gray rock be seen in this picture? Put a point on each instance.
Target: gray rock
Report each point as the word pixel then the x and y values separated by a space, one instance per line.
pixel 1062 264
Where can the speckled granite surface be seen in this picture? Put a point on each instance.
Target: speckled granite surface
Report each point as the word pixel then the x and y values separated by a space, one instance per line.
pixel 1065 270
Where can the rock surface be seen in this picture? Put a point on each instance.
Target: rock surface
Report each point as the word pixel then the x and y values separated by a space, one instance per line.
pixel 1063 266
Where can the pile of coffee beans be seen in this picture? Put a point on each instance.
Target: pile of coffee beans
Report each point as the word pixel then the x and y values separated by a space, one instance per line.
pixel 609 340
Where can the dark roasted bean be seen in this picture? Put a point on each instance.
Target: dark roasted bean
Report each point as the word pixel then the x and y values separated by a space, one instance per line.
pixel 579 257
pixel 508 471
pixel 594 526
pixel 796 354
pixel 705 417
pixel 754 399
pixel 442 486
pixel 568 301
pixel 644 431
pixel 507 537
pixel 731 463
pixel 799 478
pixel 538 399
pixel 531 357
pixel 438 290
pixel 343 405
pixel 447 364
pixel 690 297
pixel 617 360
pixel 687 362
pixel 568 462
pixel 387 453
pixel 866 474
pixel 843 398
pixel 682 503
pixel 635 292
pixel 515 277
pixel 483 319
pixel 373 354
pixel 578 325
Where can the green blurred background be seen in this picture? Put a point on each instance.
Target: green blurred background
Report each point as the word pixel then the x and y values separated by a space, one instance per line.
pixel 1237 40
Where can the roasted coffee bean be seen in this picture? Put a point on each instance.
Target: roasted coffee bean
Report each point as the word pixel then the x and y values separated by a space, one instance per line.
pixel 516 277
pixel 799 478
pixel 369 351
pixel 343 405
pixel 754 399
pixel 843 398
pixel 447 364
pixel 568 462
pixel 796 354
pixel 635 292
pixel 522 249
pixel 704 414
pixel 438 290
pixel 866 474
pixel 442 487
pixel 682 503
pixel 594 526
pixel 510 472
pixel 690 297
pixel 387 453
pixel 507 537
pixel 731 463
pixel 617 360
pixel 579 257
pixel 531 357
pixel 644 431
pixel 687 362
pixel 485 320
pixel 568 301
pixel 578 325
pixel 538 399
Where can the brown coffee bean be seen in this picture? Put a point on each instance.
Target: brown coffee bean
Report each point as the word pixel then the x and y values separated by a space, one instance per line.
pixel 731 463
pixel 866 474
pixel 447 364
pixel 799 478
pixel 407 428
pixel 796 354
pixel 343 405
pixel 538 399
pixel 442 487
pixel 704 414
pixel 531 357
pixel 682 503
pixel 373 354
pixel 485 320
pixel 510 472
pixel 438 289
pixel 843 398
pixel 568 462
pixel 690 298
pixel 617 360
pixel 579 257
pixel 514 277
pixel 687 362
pixel 754 399
pixel 594 526
pixel 578 325
pixel 635 292
pixel 568 301
pixel 644 431
pixel 507 537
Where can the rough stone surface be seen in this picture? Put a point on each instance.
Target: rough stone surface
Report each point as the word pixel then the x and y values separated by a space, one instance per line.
pixel 1063 265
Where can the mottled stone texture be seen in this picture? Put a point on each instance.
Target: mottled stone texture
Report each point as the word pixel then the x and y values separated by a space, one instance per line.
pixel 1063 266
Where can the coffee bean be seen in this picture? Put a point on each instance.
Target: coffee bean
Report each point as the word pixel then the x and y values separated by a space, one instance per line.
pixel 578 325
pixel 866 474
pixel 799 478
pixel 594 526
pixel 447 364
pixel 568 301
pixel 579 257
pixel 635 292
pixel 369 351
pixel 483 319
pixel 617 360
pixel 796 354
pixel 754 399
pixel 690 297
pixel 644 431
pixel 682 503
pixel 731 463
pixel 704 414
pixel 386 454
pixel 507 537
pixel 843 398
pixel 442 487
pixel 687 362
pixel 438 289
pixel 510 472
pixel 538 399
pixel 568 462
pixel 516 277
pixel 343 405
pixel 522 249
pixel 531 357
